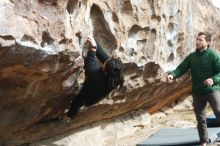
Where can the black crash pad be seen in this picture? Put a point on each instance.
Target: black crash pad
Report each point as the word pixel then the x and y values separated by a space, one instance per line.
pixel 212 121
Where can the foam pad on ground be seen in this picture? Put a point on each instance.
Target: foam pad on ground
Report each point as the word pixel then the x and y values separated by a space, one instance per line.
pixel 212 121
pixel 178 136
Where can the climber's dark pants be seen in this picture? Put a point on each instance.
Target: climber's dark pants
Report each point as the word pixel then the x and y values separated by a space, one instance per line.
pixel 75 106
pixel 79 101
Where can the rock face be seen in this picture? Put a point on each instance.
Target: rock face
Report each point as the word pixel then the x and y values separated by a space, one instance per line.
pixel 103 133
pixel 40 41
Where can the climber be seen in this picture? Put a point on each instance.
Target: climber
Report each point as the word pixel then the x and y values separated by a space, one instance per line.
pixel 204 65
pixel 99 81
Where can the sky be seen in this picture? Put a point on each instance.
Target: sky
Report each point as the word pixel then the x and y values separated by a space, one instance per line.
pixel 216 3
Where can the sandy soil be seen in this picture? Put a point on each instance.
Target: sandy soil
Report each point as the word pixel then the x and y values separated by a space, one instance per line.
pixel 171 118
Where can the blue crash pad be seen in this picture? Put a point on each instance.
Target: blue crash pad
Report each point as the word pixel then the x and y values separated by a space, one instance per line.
pixel 178 136
pixel 212 121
